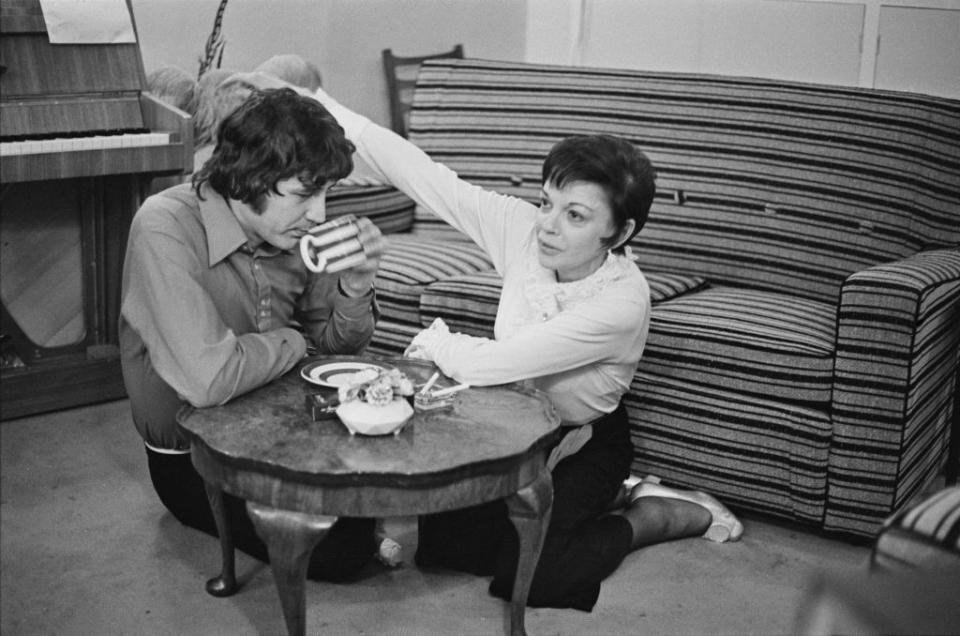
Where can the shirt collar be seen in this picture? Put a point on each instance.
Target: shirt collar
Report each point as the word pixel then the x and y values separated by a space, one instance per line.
pixel 224 234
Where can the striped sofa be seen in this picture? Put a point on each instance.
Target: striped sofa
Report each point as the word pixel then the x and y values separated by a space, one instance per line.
pixel 803 252
pixel 923 536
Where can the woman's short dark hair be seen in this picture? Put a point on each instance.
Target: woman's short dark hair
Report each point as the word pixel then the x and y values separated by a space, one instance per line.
pixel 274 135
pixel 614 164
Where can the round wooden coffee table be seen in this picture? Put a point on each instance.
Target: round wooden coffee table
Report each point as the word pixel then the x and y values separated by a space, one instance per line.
pixel 298 475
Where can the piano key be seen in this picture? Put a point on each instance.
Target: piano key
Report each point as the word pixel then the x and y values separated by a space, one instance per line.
pixel 72 144
pixel 51 145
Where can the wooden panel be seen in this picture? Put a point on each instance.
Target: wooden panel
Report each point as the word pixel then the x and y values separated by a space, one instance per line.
pixel 66 383
pixel 18 118
pixel 66 214
pixel 84 163
pixel 42 283
pixel 46 284
pixel 36 67
pixel 118 197
pixel 160 116
pixel 21 16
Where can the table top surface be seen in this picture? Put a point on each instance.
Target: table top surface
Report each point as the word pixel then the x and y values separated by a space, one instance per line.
pixel 270 431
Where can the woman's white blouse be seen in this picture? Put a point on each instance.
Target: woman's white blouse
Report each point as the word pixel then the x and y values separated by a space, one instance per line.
pixel 579 342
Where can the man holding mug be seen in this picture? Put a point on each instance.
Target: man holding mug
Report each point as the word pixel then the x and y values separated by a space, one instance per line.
pixel 216 300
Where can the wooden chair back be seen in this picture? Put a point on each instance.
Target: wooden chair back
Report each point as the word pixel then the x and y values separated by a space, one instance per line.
pixel 401 73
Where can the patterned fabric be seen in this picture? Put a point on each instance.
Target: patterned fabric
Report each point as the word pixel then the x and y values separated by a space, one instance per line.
pixel 750 451
pixel 924 535
pixel 732 395
pixel 814 378
pixel 898 350
pixel 759 344
pixel 429 226
pixel 468 303
pixel 407 267
pixel 388 208
pixel 764 184
pixel 391 338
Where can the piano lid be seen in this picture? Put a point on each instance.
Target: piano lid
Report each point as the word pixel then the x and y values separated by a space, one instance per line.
pixel 55 89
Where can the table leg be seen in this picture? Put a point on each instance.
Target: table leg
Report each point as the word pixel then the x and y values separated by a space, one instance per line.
pixel 226 583
pixel 290 538
pixel 530 513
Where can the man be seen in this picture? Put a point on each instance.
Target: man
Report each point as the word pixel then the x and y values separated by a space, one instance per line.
pixel 216 300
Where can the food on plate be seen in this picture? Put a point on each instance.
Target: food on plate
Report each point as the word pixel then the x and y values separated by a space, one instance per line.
pixel 375 386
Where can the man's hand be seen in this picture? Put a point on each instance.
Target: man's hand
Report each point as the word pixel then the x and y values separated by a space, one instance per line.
pixel 358 280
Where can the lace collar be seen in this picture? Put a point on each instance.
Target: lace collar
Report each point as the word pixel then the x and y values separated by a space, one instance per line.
pixel 546 297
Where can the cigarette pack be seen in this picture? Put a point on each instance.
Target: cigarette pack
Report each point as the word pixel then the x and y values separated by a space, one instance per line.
pixel 322 407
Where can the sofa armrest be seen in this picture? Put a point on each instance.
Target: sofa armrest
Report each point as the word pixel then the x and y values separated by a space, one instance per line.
pixel 898 337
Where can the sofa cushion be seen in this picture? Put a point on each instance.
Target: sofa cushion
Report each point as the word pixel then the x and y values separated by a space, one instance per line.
pixel 468 303
pixel 391 338
pixel 410 264
pixel 391 210
pixel 428 225
pixel 664 287
pixel 760 344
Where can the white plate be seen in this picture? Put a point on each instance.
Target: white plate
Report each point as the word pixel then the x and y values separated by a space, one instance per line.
pixel 333 374
pixel 367 419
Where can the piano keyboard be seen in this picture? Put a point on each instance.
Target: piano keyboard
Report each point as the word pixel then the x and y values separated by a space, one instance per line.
pixel 93 142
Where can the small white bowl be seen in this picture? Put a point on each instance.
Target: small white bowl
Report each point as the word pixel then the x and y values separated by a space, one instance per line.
pixel 367 419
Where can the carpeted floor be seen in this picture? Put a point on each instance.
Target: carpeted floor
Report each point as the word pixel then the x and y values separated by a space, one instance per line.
pixel 86 548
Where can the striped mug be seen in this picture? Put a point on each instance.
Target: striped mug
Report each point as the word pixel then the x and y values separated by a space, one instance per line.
pixel 332 246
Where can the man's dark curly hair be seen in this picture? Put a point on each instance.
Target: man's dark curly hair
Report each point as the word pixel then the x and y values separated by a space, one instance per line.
pixel 274 135
pixel 614 164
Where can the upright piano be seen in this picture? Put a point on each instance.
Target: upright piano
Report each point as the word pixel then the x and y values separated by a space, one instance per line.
pixel 80 141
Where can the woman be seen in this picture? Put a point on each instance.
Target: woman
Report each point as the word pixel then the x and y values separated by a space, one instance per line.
pixel 572 320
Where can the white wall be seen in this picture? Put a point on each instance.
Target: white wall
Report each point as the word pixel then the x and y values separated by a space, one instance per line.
pixel 909 45
pixel 918 49
pixel 343 37
pixel 898 44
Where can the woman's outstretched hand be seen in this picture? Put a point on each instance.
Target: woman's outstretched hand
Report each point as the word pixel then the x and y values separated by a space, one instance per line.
pixel 424 343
